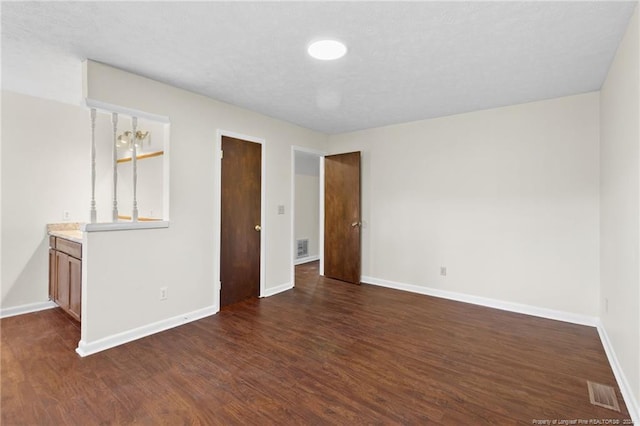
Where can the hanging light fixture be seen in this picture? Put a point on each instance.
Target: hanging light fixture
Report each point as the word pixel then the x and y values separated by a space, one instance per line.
pixel 126 140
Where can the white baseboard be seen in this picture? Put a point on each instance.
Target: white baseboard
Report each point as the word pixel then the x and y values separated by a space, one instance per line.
pixel 275 290
pixel 484 301
pixel 90 348
pixel 306 260
pixel 623 384
pixel 26 309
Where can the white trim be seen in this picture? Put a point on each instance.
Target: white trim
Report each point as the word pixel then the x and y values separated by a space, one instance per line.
pixel 218 206
pixel 26 309
pixel 623 384
pixel 123 226
pixel 217 214
pixel 166 170
pixel 104 106
pixel 292 269
pixel 321 231
pixel 306 259
pixel 90 348
pixel 485 301
pixel 278 289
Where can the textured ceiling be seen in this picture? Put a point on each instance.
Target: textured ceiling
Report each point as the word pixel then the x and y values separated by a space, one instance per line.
pixel 406 61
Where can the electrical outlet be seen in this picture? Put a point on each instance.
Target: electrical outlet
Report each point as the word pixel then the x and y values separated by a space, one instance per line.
pixel 164 293
pixel 66 215
pixel 443 271
pixel 281 209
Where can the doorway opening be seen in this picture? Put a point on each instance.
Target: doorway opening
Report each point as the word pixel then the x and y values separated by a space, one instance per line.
pixel 307 205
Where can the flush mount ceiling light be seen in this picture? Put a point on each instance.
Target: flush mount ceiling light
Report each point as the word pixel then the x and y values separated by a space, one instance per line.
pixel 327 50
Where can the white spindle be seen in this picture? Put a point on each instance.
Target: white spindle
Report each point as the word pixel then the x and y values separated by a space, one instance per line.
pixel 134 161
pixel 114 121
pixel 93 166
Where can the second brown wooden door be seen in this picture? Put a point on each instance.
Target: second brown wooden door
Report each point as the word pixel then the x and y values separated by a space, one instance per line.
pixel 240 220
pixel 342 217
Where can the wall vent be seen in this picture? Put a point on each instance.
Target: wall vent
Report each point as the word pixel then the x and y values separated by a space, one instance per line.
pixel 603 396
pixel 303 248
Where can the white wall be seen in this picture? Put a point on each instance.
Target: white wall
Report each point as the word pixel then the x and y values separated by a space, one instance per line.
pixel 506 199
pixel 1 203
pixel 185 256
pixel 620 206
pixel 45 171
pixel 308 210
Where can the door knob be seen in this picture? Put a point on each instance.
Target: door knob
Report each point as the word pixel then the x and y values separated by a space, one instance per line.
pixel 258 228
pixel 354 224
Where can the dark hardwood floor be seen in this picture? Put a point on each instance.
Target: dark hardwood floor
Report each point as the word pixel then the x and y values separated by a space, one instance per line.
pixel 325 352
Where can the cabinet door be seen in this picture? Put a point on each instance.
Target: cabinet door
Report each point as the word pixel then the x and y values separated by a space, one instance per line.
pixel 62 272
pixel 75 287
pixel 53 278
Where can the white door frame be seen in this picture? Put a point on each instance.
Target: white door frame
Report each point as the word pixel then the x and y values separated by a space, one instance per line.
pixel 218 208
pixel 320 155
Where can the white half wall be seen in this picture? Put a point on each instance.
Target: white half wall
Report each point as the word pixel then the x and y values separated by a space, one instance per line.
pixel 619 304
pixel 506 199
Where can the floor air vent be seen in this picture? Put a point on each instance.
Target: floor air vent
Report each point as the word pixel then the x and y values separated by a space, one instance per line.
pixel 603 396
pixel 303 248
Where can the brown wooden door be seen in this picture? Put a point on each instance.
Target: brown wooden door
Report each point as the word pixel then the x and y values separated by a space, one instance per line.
pixel 240 220
pixel 342 217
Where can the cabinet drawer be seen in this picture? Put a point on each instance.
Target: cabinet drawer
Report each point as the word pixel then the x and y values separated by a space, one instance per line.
pixel 70 247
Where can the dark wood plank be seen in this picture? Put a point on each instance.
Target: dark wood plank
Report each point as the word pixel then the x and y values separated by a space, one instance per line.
pixel 321 353
pixel 342 217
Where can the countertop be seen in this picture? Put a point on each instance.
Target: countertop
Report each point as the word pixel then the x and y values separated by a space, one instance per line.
pixel 69 231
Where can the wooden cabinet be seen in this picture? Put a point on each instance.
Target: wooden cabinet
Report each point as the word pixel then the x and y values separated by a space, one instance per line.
pixel 53 271
pixel 65 275
pixel 62 280
pixel 75 286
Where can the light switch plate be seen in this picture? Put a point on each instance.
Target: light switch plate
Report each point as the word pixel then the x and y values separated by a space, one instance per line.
pixel 281 209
